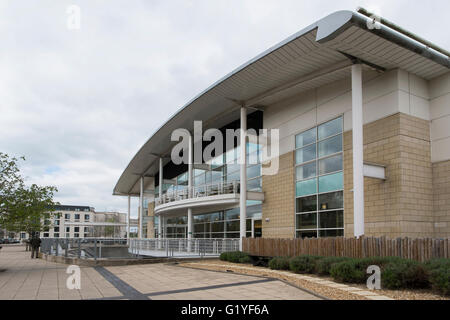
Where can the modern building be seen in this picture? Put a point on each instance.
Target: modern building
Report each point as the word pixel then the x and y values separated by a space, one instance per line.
pixel 362 109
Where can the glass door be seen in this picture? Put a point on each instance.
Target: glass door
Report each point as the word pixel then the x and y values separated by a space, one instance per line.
pixel 256 228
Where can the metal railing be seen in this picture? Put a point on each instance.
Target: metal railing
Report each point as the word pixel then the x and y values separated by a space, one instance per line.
pixel 182 247
pixel 87 248
pixel 100 248
pixel 199 192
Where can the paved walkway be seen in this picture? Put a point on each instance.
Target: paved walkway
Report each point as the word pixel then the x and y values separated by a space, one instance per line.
pixel 25 278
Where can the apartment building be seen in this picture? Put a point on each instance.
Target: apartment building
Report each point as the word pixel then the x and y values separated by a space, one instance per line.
pixel 84 222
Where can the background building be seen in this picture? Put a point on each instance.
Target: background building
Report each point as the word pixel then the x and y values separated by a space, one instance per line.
pixel 85 222
pixel 82 222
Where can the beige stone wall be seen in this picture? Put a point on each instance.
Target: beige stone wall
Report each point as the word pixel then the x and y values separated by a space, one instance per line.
pixel 441 198
pixel 414 201
pixel 403 204
pixel 279 201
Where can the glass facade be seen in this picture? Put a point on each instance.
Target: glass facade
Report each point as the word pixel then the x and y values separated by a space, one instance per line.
pixel 221 224
pixel 222 169
pixel 176 227
pixel 319 181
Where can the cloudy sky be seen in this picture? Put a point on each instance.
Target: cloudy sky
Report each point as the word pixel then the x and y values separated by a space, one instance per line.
pixel 78 104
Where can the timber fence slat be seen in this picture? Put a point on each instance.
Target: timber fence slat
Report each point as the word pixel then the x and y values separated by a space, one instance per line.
pixel 420 249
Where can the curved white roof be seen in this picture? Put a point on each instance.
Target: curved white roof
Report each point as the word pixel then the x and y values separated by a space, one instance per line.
pixel 314 56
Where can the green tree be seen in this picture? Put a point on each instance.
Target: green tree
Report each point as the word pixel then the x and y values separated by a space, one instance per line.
pixel 109 230
pixel 31 210
pixel 10 181
pixel 23 208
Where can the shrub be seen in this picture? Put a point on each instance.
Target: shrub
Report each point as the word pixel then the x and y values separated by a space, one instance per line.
pixel 245 259
pixel 437 264
pixel 304 264
pixel 279 263
pixel 323 266
pixel 348 271
pixel 404 275
pixel 224 256
pixel 440 280
pixel 235 256
pixel 378 261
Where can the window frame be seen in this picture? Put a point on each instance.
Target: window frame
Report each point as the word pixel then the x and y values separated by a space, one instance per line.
pixel 318 175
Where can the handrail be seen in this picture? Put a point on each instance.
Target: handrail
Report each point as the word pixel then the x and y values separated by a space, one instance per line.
pixel 97 248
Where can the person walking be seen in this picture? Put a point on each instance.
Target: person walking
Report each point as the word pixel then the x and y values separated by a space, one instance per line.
pixel 35 244
pixel 27 244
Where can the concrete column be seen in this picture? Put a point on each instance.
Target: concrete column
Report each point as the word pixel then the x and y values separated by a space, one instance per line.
pixel 159 227
pixel 243 176
pixel 190 174
pixel 161 179
pixel 141 205
pixel 358 148
pixel 190 228
pixel 160 224
pixel 190 167
pixel 164 227
pixel 128 217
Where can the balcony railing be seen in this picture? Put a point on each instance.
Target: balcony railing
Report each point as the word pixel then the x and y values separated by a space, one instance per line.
pixel 182 247
pixel 213 189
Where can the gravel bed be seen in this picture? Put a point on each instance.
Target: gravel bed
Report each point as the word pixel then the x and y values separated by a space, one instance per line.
pixel 325 291
pixel 330 293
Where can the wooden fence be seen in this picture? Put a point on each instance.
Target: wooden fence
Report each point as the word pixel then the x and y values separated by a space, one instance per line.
pixel 409 248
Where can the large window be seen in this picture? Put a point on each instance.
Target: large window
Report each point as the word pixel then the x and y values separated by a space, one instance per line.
pixel 319 205
pixel 223 168
pixel 176 227
pixel 226 224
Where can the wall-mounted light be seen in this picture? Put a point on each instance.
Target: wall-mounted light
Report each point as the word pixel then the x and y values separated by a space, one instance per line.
pixel 267 219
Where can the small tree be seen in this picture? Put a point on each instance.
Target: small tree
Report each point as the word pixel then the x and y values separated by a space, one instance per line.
pixel 23 208
pixel 10 181
pixel 110 230
pixel 31 210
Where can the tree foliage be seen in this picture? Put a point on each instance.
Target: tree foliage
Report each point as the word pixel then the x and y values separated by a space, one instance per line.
pixel 10 181
pixel 23 208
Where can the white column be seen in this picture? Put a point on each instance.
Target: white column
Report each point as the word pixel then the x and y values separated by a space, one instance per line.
pixel 358 148
pixel 190 166
pixel 141 205
pixel 159 227
pixel 190 225
pixel 164 220
pixel 243 177
pixel 160 235
pixel 128 217
pixel 190 169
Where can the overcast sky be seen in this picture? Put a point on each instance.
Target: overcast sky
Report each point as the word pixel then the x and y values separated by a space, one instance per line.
pixel 78 104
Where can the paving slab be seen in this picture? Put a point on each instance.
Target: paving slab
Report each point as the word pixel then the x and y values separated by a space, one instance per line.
pixel 26 278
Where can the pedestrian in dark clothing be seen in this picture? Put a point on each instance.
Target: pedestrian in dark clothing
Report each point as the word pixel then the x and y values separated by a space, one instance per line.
pixel 35 244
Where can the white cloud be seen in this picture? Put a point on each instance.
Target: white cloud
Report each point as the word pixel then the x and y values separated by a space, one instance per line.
pixel 79 104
